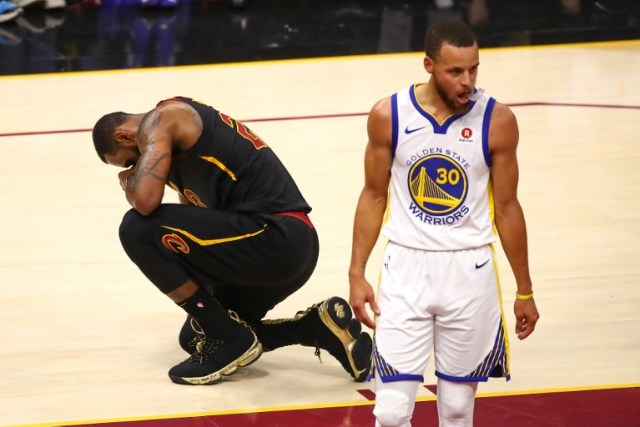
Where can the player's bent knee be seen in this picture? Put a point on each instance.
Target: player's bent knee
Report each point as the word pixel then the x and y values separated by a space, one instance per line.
pixel 133 229
pixel 392 408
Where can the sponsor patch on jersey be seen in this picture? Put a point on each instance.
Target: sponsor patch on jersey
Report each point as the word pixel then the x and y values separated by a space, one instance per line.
pixel 466 135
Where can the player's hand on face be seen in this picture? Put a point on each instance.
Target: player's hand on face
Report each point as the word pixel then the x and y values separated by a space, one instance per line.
pixel 526 317
pixel 362 294
pixel 124 175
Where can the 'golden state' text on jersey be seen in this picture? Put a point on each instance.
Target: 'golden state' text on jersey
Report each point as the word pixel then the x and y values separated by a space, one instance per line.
pixel 440 195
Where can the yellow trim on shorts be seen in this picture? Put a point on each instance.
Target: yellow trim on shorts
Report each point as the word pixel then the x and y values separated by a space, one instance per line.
pixel 211 242
pixel 504 323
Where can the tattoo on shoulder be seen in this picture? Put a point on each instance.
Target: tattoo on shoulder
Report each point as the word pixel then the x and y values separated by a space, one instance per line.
pixel 146 131
pixel 152 159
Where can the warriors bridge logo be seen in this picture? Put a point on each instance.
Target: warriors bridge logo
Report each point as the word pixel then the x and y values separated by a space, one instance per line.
pixel 438 187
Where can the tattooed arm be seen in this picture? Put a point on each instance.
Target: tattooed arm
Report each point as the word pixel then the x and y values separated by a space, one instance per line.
pixel 145 188
pixel 172 125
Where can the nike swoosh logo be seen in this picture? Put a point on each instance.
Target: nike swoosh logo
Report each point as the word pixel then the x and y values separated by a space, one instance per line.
pixel 478 266
pixel 408 131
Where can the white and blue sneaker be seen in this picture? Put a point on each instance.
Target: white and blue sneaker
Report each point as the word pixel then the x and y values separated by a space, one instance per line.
pixel 9 10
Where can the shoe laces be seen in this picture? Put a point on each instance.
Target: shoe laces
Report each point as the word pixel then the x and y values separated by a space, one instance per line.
pixel 195 326
pixel 302 313
pixel 237 318
pixel 204 348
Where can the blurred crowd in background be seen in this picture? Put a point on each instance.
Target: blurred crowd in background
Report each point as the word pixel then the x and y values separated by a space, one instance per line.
pixel 42 36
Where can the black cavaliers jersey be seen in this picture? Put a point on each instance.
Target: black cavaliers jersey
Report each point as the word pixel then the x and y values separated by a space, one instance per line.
pixel 231 169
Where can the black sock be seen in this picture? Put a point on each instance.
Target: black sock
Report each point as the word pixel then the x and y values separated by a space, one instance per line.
pixel 211 316
pixel 275 334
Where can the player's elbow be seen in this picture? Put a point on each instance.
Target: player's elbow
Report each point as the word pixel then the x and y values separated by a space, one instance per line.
pixel 145 205
pixel 143 211
pixel 505 208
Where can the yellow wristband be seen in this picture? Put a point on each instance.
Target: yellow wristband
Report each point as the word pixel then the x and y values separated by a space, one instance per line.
pixel 524 297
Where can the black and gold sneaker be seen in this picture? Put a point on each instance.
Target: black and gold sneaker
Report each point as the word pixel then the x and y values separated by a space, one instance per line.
pixel 333 328
pixel 214 358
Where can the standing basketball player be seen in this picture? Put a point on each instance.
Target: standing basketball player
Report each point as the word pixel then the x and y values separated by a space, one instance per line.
pixel 441 162
pixel 239 243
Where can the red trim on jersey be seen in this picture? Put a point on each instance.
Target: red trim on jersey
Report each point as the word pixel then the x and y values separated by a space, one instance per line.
pixel 170 99
pixel 299 215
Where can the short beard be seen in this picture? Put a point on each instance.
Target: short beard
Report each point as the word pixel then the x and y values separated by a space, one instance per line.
pixel 450 103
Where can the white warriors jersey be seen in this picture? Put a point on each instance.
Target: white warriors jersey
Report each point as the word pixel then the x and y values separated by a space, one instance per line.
pixel 440 196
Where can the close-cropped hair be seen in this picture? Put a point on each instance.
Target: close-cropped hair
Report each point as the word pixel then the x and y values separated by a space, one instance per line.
pixel 103 131
pixel 454 33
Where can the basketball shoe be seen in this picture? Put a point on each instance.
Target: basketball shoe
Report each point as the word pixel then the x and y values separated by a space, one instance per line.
pixel 212 358
pixel 9 10
pixel 329 325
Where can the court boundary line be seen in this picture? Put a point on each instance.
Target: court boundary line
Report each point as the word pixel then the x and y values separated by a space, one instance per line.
pixel 322 406
pixel 343 115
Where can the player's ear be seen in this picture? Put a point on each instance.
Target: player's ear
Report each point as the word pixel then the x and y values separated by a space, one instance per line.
pixel 124 137
pixel 428 64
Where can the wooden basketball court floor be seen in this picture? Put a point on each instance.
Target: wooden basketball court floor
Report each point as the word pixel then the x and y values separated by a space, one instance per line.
pixel 85 340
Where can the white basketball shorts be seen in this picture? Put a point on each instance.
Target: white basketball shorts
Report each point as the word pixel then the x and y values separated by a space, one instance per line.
pixel 446 301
